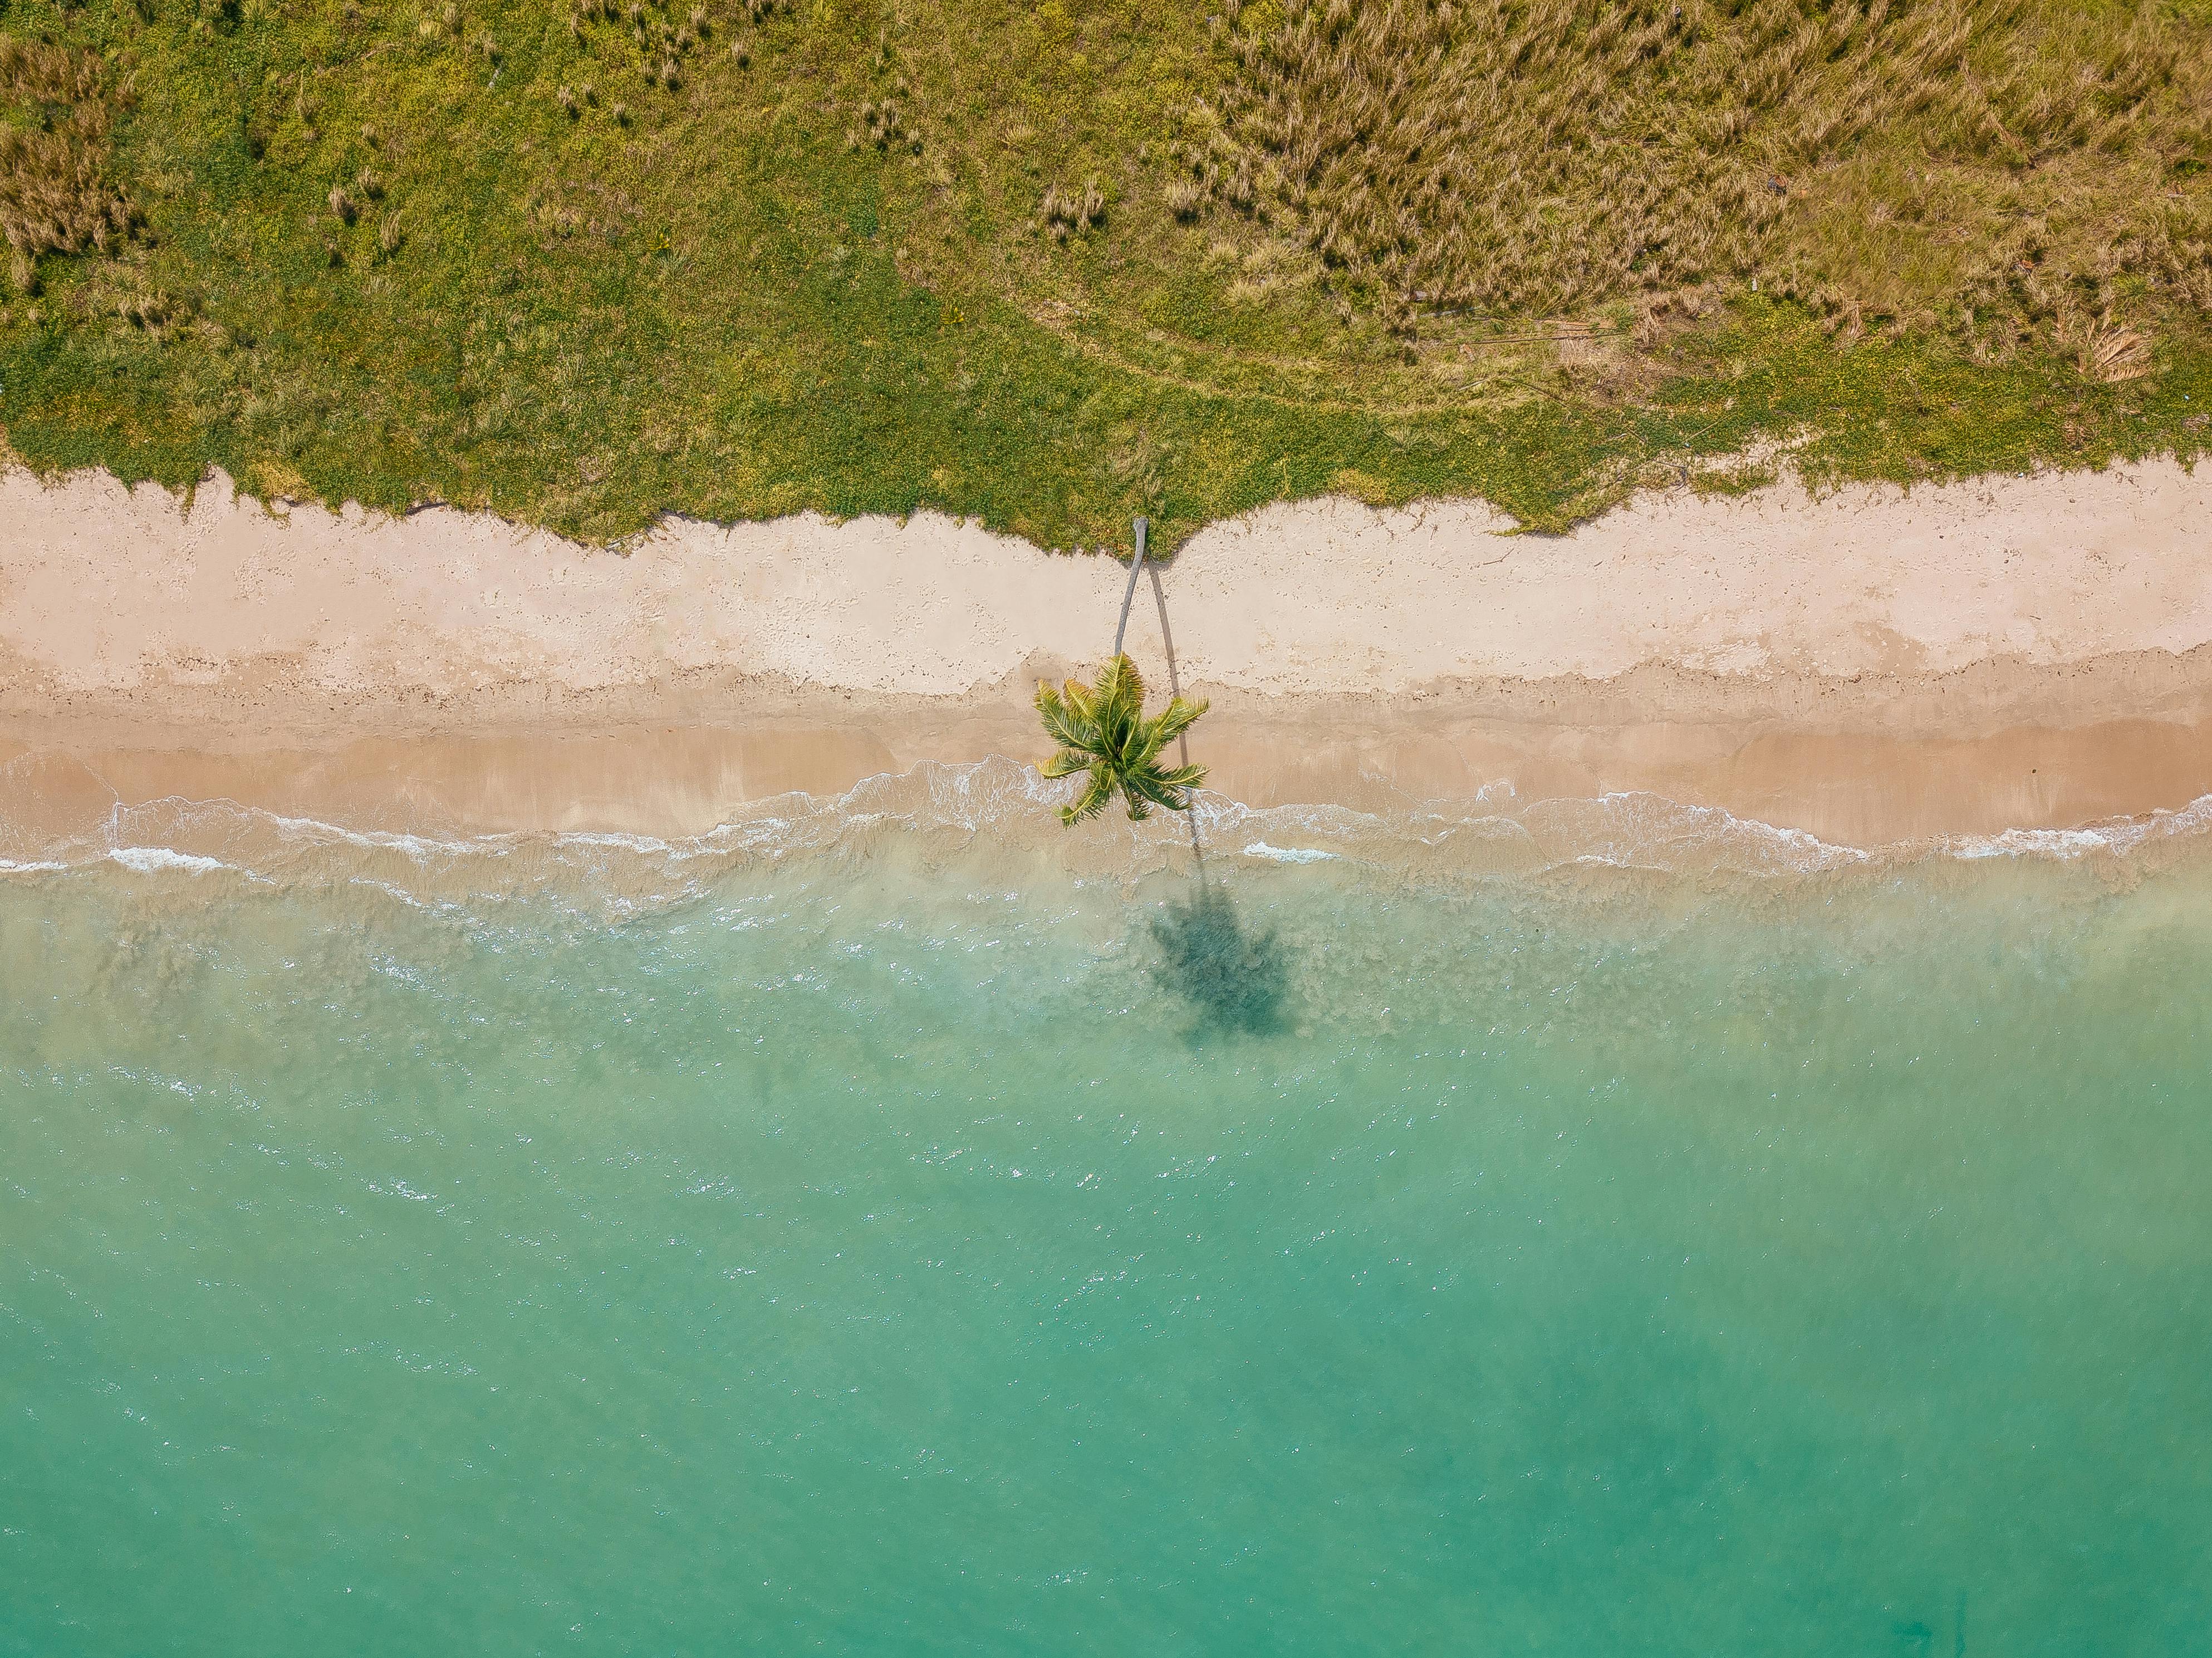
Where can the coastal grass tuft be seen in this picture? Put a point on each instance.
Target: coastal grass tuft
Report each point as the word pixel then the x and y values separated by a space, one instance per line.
pixel 1049 265
pixel 56 194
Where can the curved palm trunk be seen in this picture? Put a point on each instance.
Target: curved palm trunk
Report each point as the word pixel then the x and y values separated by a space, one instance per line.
pixel 1130 591
pixel 1167 640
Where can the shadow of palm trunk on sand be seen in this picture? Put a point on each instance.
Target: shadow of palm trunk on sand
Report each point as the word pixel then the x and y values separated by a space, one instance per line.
pixel 1175 689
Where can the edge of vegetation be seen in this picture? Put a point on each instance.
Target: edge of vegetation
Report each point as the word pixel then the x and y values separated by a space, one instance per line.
pixel 755 260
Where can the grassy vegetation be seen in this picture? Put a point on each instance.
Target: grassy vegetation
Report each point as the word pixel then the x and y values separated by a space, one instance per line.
pixel 587 261
pixel 1990 166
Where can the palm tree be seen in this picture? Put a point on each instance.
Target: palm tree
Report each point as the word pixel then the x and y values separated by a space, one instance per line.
pixel 1102 729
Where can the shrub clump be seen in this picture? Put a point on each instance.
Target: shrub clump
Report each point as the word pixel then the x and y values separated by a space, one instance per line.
pixel 1063 212
pixel 56 196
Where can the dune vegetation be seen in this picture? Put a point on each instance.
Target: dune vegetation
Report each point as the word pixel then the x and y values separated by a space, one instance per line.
pixel 588 261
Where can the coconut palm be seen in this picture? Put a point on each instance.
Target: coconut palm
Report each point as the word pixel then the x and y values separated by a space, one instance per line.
pixel 1102 729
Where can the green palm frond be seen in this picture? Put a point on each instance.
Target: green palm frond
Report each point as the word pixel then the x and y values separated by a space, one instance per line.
pixel 1172 722
pixel 1063 723
pixel 1177 718
pixel 1121 689
pixel 1143 794
pixel 1102 730
pixel 1093 799
pixel 1171 789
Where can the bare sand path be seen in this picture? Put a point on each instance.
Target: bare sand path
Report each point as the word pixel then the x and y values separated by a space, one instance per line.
pixel 2033 652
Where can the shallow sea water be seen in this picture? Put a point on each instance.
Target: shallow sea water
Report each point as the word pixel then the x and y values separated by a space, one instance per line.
pixel 880 1231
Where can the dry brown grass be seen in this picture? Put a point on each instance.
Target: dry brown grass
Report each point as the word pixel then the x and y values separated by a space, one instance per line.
pixel 663 48
pixel 56 196
pixel 1063 212
pixel 2001 167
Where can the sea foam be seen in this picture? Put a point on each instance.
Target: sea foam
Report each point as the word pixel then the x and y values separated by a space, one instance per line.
pixel 1001 814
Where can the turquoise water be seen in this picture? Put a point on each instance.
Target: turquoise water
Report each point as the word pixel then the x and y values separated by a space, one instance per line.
pixel 859 1238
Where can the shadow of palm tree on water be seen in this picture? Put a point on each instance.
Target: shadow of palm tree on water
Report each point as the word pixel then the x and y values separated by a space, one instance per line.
pixel 1236 977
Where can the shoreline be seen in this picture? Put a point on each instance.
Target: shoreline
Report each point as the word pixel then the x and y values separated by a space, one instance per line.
pixel 1870 667
pixel 1844 784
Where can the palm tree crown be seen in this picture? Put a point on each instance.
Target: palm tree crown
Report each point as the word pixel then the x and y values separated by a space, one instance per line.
pixel 1102 729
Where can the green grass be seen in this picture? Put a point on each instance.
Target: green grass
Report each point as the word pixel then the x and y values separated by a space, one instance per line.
pixel 724 309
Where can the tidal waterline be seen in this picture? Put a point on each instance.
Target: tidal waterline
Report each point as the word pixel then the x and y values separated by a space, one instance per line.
pixel 876 1249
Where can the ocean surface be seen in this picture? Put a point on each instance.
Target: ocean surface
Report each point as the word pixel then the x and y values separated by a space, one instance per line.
pixel 898 1225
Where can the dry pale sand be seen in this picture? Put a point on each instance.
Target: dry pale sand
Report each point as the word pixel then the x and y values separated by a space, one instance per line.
pixel 1873 666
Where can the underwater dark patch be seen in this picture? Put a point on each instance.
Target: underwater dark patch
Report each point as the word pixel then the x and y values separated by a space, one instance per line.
pixel 1235 977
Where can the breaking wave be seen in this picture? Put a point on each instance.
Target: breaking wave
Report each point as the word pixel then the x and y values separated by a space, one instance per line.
pixel 1001 816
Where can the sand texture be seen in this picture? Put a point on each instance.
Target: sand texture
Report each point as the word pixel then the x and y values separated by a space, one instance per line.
pixel 1872 665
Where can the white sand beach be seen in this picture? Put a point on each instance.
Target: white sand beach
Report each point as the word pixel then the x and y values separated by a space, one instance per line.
pixel 1867 663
